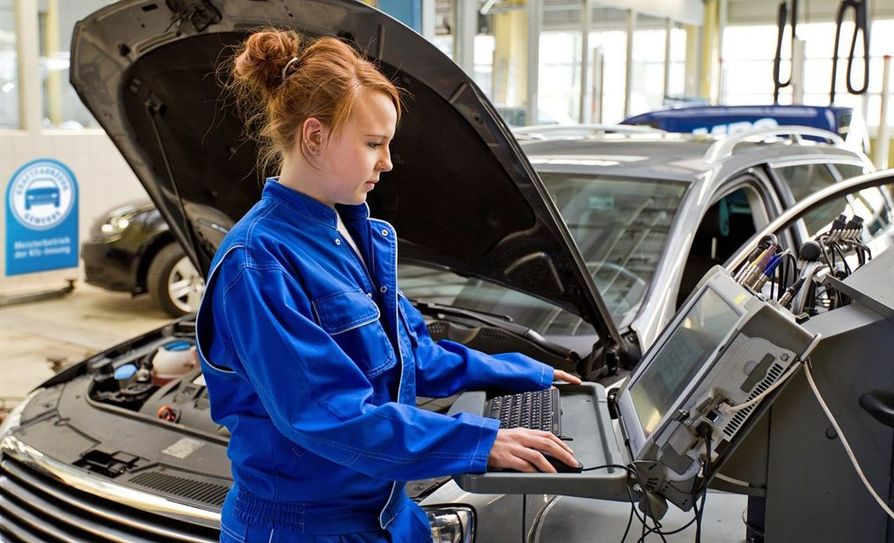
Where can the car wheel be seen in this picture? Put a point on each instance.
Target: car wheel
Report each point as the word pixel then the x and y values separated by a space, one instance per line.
pixel 173 281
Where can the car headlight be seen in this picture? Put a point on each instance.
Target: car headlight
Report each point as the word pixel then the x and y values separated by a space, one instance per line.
pixel 451 524
pixel 115 221
pixel 115 224
pixel 12 421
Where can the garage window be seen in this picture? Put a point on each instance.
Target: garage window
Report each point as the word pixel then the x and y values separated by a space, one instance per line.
pixel 61 106
pixel 9 91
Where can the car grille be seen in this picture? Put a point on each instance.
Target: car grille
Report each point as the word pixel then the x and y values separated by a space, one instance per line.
pixel 37 508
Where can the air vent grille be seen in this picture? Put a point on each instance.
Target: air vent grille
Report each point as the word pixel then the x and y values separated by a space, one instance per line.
pixel 740 417
pixel 199 491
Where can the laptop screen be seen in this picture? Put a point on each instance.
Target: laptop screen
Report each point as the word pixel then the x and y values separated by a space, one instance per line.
pixel 678 360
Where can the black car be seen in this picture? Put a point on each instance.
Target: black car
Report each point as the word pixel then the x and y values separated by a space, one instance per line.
pixel 131 249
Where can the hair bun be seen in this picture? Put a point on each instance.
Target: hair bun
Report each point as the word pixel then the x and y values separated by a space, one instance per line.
pixel 260 64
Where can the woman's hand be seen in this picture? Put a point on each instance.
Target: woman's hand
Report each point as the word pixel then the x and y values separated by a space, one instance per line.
pixel 522 449
pixel 559 375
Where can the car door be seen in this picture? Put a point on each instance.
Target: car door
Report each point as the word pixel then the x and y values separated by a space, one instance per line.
pixel 883 237
pixel 873 205
pixel 740 208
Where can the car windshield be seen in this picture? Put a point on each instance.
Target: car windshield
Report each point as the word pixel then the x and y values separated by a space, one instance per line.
pixel 620 226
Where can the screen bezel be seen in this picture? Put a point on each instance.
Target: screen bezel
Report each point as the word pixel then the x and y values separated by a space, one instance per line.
pixel 628 417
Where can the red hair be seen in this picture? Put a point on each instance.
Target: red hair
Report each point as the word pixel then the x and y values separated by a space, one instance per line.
pixel 280 80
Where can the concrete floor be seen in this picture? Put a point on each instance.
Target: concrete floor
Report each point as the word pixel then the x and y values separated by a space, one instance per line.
pixel 38 336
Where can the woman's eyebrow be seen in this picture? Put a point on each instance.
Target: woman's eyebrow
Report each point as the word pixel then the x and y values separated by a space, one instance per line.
pixel 383 136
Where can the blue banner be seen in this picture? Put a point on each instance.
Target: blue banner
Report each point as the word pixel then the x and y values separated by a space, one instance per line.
pixel 41 218
pixel 407 12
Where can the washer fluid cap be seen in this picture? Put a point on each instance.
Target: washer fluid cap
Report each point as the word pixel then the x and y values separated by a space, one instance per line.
pixel 125 372
pixel 177 346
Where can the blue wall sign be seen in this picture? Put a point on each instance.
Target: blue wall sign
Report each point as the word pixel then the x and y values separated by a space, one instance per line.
pixel 41 218
pixel 407 12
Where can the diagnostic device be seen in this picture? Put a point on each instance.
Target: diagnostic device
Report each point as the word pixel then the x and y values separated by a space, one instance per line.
pixel 713 366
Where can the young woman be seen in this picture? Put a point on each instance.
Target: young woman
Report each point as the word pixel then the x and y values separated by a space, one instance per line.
pixel 311 356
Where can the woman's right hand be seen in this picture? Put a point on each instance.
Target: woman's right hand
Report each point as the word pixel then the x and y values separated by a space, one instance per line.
pixel 522 449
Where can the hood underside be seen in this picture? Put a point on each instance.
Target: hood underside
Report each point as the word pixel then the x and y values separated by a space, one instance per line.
pixel 462 195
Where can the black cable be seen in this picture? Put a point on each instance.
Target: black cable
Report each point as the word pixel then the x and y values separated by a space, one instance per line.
pixel 681 528
pixel 656 525
pixel 794 270
pixel 629 523
pixel 837 247
pixel 750 526
pixel 657 528
pixel 707 471
pixel 860 26
pixel 606 466
pixel 642 536
pixel 782 16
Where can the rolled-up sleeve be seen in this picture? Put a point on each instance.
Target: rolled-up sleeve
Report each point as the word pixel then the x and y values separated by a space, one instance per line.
pixel 319 398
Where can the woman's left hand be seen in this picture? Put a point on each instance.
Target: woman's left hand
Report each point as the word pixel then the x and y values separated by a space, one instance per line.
pixel 559 375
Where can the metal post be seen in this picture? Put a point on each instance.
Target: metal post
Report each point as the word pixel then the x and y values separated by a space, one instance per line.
pixel 587 7
pixel 668 28
pixel 464 40
pixel 883 141
pixel 30 104
pixel 721 25
pixel 535 23
pixel 598 87
pixel 798 71
pixel 628 70
pixel 429 16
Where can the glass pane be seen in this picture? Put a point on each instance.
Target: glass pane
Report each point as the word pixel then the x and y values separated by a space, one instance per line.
pixel 803 181
pixel 61 106
pixel 620 227
pixel 9 87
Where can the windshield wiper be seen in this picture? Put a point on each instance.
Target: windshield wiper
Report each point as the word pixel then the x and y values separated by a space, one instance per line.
pixel 503 323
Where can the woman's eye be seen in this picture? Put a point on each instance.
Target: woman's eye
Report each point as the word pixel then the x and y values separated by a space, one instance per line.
pixel 374 145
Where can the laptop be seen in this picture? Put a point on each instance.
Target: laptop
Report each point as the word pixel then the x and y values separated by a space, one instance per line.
pixel 714 366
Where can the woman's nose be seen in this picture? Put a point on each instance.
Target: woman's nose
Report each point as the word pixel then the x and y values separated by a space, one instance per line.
pixel 385 164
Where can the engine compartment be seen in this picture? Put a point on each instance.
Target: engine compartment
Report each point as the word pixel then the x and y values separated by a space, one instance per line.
pixel 160 378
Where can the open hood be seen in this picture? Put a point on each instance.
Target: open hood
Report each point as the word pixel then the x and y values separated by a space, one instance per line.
pixel 462 195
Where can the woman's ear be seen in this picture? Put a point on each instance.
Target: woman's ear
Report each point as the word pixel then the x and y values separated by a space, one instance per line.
pixel 313 135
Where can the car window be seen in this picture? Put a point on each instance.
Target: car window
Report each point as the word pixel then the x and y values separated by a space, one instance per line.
pixel 874 204
pixel 620 226
pixel 726 225
pixel 805 179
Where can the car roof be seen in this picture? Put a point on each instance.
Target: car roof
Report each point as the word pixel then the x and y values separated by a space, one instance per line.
pixel 662 155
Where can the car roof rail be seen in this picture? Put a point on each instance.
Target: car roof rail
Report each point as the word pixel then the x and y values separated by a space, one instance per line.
pixel 724 148
pixel 548 131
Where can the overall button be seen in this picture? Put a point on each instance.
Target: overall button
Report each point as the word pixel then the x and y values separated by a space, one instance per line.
pixel 384 231
pixel 383 290
pixel 337 241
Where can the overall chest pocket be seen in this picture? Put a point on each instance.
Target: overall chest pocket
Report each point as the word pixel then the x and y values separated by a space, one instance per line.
pixel 352 319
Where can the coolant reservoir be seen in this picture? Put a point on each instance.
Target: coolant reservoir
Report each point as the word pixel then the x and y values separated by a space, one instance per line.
pixel 173 360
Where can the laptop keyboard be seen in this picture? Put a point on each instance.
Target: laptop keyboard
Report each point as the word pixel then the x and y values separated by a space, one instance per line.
pixel 538 410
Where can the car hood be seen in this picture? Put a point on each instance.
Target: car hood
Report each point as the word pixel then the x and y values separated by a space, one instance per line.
pixel 462 195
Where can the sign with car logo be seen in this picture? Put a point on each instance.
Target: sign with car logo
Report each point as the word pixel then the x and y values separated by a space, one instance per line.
pixel 41 218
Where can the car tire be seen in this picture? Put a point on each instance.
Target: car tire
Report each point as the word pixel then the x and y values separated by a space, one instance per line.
pixel 173 282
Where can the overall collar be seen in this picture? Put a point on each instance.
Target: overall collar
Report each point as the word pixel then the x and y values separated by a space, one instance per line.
pixel 312 209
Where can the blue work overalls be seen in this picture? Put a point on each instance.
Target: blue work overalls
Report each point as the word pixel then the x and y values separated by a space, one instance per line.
pixel 313 361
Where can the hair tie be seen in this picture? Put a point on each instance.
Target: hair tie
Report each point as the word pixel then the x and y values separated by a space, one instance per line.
pixel 287 66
